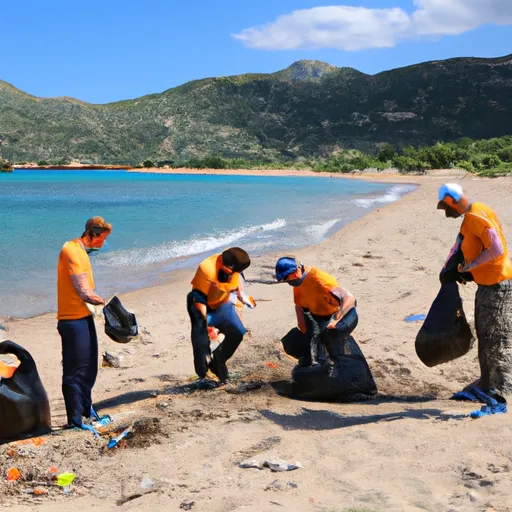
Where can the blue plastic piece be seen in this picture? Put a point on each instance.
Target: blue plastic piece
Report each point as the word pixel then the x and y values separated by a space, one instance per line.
pixel 488 410
pixel 416 318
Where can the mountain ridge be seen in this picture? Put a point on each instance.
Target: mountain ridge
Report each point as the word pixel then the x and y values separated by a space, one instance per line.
pixel 311 108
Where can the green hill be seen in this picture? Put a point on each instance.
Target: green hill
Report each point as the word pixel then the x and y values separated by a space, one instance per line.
pixel 308 109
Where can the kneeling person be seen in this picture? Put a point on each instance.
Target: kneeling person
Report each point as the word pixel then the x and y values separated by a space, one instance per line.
pixel 321 305
pixel 331 365
pixel 216 289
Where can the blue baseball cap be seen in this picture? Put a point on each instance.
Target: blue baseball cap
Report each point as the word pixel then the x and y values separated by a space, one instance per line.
pixel 452 190
pixel 286 266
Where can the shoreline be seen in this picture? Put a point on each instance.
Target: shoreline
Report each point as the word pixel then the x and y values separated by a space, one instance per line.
pixel 180 272
pixel 387 176
pixel 392 178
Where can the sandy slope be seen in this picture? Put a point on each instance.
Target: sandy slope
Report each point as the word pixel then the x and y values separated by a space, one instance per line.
pixel 411 449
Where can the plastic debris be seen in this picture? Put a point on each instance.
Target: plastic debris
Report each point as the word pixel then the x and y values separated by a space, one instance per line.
pixel 36 441
pixel 415 318
pixel 38 491
pixel 115 441
pixel 9 363
pixel 281 465
pixel 53 470
pixel 4 327
pixel 213 333
pixel 273 366
pixel 147 483
pixel 250 464
pixel 111 361
pixel 276 465
pixel 65 479
pixel 13 474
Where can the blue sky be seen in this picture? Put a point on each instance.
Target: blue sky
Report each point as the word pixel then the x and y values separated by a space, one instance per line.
pixel 108 50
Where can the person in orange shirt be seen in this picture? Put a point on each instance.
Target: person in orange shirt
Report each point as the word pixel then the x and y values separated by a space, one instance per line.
pixel 326 313
pixel 75 289
pixel 217 291
pixel 485 260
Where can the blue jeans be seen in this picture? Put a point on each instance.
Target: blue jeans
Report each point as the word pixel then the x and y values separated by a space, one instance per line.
pixel 80 366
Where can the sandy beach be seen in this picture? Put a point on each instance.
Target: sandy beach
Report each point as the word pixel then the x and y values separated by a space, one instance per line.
pixel 410 449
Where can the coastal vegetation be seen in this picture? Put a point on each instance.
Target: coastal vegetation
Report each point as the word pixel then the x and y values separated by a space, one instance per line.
pixel 492 157
pixel 5 166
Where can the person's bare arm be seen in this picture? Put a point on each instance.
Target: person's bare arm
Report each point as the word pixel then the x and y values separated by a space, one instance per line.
pixel 84 290
pixel 347 302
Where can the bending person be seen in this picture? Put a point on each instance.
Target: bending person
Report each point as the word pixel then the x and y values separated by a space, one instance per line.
pixel 326 313
pixel 486 261
pixel 217 289
pixel 75 289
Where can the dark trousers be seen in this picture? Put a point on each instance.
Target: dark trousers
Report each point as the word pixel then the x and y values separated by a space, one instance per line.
pixel 227 321
pixel 299 345
pixel 80 366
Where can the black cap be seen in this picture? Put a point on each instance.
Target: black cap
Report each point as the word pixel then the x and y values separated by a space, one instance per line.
pixel 236 258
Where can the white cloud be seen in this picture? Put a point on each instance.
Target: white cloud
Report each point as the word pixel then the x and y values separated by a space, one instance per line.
pixel 357 28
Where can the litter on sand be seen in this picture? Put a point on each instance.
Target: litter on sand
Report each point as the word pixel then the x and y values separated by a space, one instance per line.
pixel 276 465
pixel 415 318
pixel 115 441
pixel 65 479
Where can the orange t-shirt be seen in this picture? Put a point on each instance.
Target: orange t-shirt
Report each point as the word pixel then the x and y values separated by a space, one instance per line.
pixel 206 281
pixel 315 293
pixel 73 260
pixel 474 228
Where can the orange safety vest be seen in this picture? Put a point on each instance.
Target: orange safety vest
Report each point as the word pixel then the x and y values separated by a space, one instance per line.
pixel 315 293
pixel 206 281
pixel 479 218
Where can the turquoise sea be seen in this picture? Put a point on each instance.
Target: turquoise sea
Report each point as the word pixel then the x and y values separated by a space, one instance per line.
pixel 160 222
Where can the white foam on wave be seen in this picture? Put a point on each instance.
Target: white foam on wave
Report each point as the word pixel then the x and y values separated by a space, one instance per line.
pixel 183 248
pixel 319 231
pixel 392 195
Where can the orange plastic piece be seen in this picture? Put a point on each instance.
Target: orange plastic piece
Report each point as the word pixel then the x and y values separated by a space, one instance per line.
pixel 8 367
pixel 13 474
pixel 53 470
pixel 213 333
pixel 269 364
pixel 36 441
pixel 40 491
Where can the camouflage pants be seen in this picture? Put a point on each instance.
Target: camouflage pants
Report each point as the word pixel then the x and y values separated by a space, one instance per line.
pixel 493 323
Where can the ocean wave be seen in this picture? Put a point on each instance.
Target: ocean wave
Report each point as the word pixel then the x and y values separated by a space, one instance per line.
pixel 319 231
pixel 183 248
pixel 391 195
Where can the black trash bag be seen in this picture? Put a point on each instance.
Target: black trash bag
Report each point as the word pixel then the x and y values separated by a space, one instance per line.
pixel 295 343
pixel 445 335
pixel 450 273
pixel 346 376
pixel 24 406
pixel 120 325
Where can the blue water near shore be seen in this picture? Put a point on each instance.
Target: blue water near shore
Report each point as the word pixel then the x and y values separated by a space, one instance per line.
pixel 160 222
